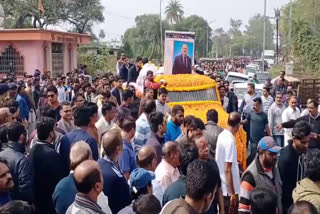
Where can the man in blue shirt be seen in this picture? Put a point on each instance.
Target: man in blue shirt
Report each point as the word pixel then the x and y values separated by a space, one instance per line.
pixel 81 120
pixel 23 104
pixel 174 125
pixel 127 160
pixel 115 184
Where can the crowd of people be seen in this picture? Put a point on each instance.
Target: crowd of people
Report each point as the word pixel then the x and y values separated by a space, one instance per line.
pixel 80 145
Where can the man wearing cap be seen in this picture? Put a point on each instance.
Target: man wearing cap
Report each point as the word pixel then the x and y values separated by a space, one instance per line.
pixel 141 184
pixel 262 172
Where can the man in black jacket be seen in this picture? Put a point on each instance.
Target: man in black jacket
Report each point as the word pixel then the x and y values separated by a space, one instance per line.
pixel 313 119
pixel 48 168
pixel 19 165
pixel 134 71
pixel 291 166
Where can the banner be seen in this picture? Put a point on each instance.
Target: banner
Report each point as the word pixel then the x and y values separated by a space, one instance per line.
pixel 179 52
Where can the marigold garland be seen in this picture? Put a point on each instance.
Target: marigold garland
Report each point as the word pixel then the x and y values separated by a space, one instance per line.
pixel 186 82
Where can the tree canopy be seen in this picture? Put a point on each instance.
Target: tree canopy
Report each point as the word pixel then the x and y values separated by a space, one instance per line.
pixel 174 11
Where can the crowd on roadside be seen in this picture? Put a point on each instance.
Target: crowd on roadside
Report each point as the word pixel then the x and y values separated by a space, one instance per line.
pixel 78 144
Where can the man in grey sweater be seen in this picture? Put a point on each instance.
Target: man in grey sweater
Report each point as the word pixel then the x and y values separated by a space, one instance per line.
pixel 274 118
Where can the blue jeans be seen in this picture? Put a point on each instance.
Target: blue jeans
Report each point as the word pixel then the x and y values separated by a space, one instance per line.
pixel 279 140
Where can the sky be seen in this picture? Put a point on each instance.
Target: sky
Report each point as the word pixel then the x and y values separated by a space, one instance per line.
pixel 120 14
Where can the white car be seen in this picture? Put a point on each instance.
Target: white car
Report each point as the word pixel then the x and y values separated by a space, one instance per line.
pixel 240 89
pixel 236 77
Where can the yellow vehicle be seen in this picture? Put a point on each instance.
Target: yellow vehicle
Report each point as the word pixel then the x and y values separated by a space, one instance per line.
pixel 198 94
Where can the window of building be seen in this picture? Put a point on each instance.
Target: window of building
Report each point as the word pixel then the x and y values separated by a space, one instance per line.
pixel 11 61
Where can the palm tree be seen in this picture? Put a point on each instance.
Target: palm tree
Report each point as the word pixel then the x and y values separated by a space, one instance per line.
pixel 174 11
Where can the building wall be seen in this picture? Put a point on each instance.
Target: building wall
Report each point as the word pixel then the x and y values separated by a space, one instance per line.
pixel 32 51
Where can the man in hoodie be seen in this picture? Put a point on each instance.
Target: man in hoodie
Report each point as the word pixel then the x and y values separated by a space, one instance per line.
pixel 291 166
pixel 308 189
pixel 202 182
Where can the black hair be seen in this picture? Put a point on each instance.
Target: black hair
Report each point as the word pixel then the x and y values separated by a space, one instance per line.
pixel 106 94
pixel 93 108
pixel 257 100
pixel 141 191
pixel 312 163
pixel 65 103
pixel 267 89
pixel 197 124
pixel 126 94
pixel 301 129
pixel 314 102
pixel 139 58
pixel 128 124
pixel 302 207
pixel 149 72
pixel 16 207
pixel 163 91
pixel 82 116
pixel 145 60
pixel 53 89
pixel 156 118
pixel 263 201
pixel 15 130
pixel 221 86
pixel 48 111
pixel 13 106
pixel 188 120
pixel 251 85
pixel 44 127
pixel 202 179
pixel 149 106
pixel 190 154
pixel 121 114
pixel 107 107
pixel 212 115
pixel 176 109
pixel 75 98
pixel 147 203
pixel 3 136
pixel 88 182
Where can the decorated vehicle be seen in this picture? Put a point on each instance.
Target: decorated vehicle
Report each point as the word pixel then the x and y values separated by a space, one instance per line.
pixel 198 94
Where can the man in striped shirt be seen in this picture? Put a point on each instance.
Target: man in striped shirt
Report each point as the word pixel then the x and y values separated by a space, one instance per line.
pixel 267 100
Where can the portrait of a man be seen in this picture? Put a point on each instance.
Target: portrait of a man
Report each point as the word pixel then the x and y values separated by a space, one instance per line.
pixel 182 62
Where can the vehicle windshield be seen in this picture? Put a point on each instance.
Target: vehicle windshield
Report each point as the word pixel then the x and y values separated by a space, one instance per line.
pixel 233 78
pixel 240 92
pixel 269 57
pixel 201 95
pixel 251 70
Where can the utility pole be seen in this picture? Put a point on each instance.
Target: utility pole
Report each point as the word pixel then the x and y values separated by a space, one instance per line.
pixel 161 39
pixel 264 32
pixel 277 16
pixel 290 27
pixel 207 39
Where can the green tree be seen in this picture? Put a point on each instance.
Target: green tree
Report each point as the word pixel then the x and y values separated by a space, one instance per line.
pixel 174 11
pixel 254 31
pixel 144 38
pixel 200 26
pixel 221 42
pixel 81 14
pixel 102 34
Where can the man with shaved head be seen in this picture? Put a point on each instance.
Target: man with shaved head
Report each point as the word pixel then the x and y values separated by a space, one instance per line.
pixel 65 190
pixel 167 171
pixel 115 183
pixel 147 159
pixel 89 182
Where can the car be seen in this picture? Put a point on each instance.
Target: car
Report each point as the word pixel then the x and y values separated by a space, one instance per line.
pixel 232 76
pixel 251 69
pixel 240 89
pixel 198 94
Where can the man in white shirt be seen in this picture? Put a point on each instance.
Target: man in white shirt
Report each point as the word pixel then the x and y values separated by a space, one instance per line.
pixel 61 90
pixel 226 158
pixel 267 100
pixel 291 113
pixel 105 123
pixel 167 171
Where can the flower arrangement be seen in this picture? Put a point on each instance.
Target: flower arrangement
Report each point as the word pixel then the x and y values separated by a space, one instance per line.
pixel 186 82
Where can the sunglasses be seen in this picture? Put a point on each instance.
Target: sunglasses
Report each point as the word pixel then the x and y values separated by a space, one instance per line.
pixel 50 95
